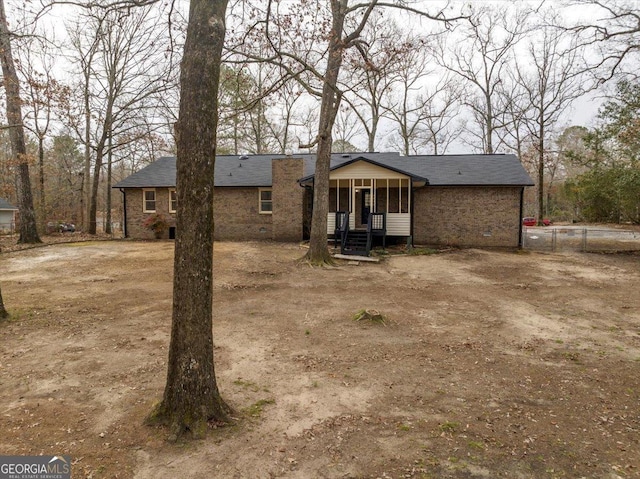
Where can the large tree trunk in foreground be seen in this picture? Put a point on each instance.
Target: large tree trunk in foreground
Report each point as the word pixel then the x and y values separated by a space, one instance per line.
pixel 191 398
pixel 318 252
pixel 28 228
pixel 3 311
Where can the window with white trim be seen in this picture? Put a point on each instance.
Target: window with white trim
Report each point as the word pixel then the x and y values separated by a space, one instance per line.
pixel 149 201
pixel 265 201
pixel 173 201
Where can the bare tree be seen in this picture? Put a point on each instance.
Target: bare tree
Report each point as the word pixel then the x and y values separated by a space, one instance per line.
pixel 347 126
pixel 370 73
pixel 614 32
pixel 85 44
pixel 306 121
pixel 551 77
pixel 191 397
pixel 323 41
pixel 43 95
pixel 406 104
pixel 441 124
pixel 284 110
pixel 64 173
pixel 514 133
pixel 481 58
pixel 121 54
pixel 28 227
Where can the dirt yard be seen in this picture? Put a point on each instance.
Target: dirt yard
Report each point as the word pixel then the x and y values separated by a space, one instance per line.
pixel 490 364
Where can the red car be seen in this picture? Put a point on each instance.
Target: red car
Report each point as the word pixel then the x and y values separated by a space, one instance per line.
pixel 531 221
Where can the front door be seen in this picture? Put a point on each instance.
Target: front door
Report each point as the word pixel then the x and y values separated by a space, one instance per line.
pixel 363 206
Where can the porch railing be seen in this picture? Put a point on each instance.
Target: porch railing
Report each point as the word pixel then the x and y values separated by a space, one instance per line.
pixel 359 242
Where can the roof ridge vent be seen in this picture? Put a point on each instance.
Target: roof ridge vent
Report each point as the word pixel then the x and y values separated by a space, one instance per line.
pixel 346 155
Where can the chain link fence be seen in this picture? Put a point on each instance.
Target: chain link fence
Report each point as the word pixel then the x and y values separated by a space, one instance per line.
pixel 572 238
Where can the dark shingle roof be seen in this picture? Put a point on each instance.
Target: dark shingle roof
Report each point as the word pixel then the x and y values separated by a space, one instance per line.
pixel 445 170
pixel 5 205
pixel 255 170
pixel 160 173
pixel 468 170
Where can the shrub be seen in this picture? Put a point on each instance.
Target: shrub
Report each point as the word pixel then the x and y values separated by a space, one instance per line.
pixel 156 223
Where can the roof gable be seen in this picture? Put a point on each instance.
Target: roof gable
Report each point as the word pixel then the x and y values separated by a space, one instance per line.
pixel 363 168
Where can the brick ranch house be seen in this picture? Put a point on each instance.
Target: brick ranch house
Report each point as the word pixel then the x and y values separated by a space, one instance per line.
pixel 461 200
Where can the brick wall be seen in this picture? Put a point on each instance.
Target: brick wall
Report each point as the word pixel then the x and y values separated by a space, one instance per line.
pixel 236 210
pixel 467 216
pixel 288 199
pixel 135 216
pixel 236 215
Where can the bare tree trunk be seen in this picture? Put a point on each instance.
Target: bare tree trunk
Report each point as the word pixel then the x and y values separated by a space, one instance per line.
pixel 371 144
pixel 107 226
pixel 318 252
pixel 191 396
pixel 489 125
pixel 541 176
pixel 97 167
pixel 28 228
pixel 86 179
pixel 3 312
pixel 93 200
pixel 43 203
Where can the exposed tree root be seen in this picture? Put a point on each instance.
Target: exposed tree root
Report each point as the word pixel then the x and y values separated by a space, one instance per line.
pixel 189 424
pixel 325 259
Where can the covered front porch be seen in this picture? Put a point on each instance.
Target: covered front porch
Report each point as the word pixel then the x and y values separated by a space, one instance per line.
pixel 368 200
pixel 361 197
pixel 363 188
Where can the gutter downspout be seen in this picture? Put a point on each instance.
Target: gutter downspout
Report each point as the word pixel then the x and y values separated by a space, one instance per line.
pixel 521 216
pixel 124 215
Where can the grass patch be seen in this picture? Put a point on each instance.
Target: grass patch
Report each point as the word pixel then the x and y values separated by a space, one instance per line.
pixel 247 384
pixel 449 426
pixel 255 410
pixel 371 315
pixel 571 355
pixel 422 251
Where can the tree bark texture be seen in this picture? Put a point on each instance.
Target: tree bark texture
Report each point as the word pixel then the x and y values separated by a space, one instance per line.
pixel 3 311
pixel 107 224
pixel 191 396
pixel 97 167
pixel 86 177
pixel 28 228
pixel 541 164
pixel 318 251
pixel 43 203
